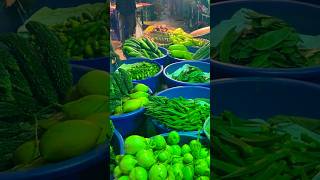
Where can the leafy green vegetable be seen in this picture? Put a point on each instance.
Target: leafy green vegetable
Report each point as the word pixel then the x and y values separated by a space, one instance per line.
pixel 192 74
pixel 262 41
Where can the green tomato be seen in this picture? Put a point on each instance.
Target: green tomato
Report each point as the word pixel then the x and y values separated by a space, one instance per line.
pixel 173 138
pixel 127 163
pixel 118 158
pixel 138 173
pixel 187 158
pixel 188 172
pixel 164 156
pixel 177 170
pixel 171 175
pixel 159 142
pixel 117 172
pixel 203 153
pixel 177 159
pixel 123 178
pixel 176 150
pixel 201 167
pixel 134 143
pixel 169 149
pixel 158 172
pixel 195 145
pixel 185 149
pixel 145 158
pixel 203 178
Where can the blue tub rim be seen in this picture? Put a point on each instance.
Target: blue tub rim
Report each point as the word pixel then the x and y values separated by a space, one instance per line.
pixel 186 83
pixel 263 80
pixel 181 87
pixel 254 1
pixel 144 60
pixel 282 71
pixel 68 164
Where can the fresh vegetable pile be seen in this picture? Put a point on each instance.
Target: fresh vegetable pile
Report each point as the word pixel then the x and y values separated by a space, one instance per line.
pixel 192 74
pixel 39 106
pixel 142 48
pixel 284 147
pixel 125 97
pixel 263 41
pixel 181 52
pixel 141 70
pixel 178 36
pixel 159 158
pixel 179 113
pixel 85 36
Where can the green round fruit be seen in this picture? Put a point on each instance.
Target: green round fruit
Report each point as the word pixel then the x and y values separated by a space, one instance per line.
pixel 68 139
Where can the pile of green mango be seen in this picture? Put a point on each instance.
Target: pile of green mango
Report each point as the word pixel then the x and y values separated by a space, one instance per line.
pixel 135 100
pixel 83 124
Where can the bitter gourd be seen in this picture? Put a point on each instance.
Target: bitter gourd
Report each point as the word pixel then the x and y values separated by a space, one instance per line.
pixel 127 79
pixel 5 84
pixel 30 64
pixel 54 60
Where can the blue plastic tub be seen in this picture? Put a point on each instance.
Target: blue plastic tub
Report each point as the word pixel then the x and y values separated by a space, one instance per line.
pixel 162 60
pixel 81 167
pixel 152 82
pixel 188 92
pixel 102 63
pixel 205 67
pixel 190 49
pixel 265 97
pixel 304 21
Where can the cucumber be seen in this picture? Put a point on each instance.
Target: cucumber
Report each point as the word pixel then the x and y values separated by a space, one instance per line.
pixel 144 45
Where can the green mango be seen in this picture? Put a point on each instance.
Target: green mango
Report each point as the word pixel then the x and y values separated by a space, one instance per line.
pixel 26 153
pixel 86 106
pixel 103 121
pixel 68 139
pixel 95 82
pixel 131 105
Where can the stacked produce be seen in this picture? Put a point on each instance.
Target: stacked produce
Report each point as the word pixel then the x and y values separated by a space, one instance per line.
pixel 179 36
pixel 179 113
pixel 85 36
pixel 264 41
pixel 181 52
pixel 159 34
pixel 39 106
pixel 142 48
pixel 284 147
pixel 124 96
pixel 141 70
pixel 159 158
pixel 191 74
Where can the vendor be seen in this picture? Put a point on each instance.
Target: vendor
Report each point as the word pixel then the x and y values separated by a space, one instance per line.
pixel 127 18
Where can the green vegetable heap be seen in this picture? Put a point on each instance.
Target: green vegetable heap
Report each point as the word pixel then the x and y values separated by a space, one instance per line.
pixel 39 107
pixel 179 113
pixel 85 36
pixel 284 147
pixel 179 36
pixel 158 158
pixel 142 48
pixel 264 42
pixel 192 74
pixel 141 70
pixel 124 96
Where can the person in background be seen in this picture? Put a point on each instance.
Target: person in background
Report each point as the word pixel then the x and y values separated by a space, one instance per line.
pixel 127 18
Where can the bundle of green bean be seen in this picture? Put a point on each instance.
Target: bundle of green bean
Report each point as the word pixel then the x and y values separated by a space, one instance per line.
pixel 282 148
pixel 179 113
pixel 141 70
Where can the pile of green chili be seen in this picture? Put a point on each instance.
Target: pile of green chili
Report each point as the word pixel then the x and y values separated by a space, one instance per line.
pixel 141 70
pixel 179 113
